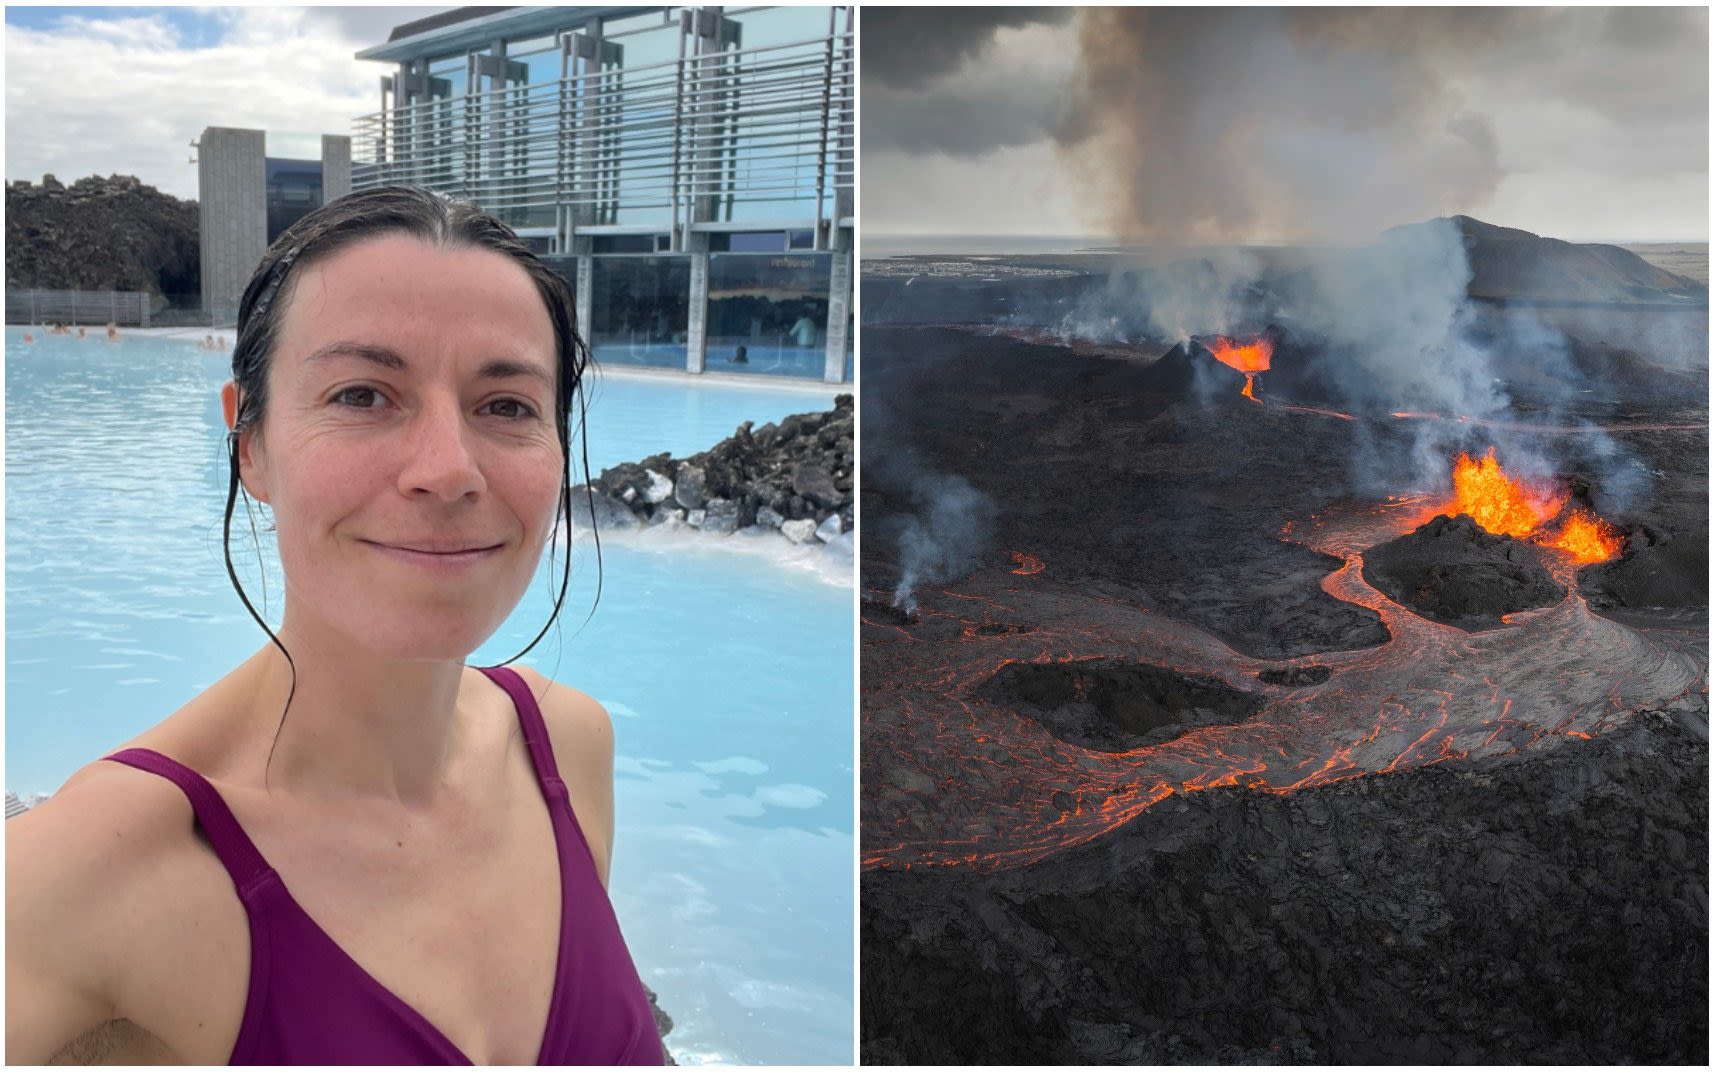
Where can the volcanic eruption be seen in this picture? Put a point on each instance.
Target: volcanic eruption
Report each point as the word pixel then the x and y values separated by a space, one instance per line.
pixel 1510 506
pixel 1249 358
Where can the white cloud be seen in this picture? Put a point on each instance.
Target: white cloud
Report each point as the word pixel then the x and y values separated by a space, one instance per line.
pixel 126 96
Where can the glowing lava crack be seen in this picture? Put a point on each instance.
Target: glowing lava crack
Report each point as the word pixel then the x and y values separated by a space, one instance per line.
pixel 952 779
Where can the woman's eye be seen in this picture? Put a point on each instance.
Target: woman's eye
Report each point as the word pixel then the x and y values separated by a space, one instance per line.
pixel 358 397
pixel 511 408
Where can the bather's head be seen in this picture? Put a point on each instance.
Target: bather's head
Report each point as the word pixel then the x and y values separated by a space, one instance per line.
pixel 402 385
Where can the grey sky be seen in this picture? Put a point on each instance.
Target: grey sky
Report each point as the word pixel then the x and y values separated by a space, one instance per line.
pixel 125 90
pixel 1266 125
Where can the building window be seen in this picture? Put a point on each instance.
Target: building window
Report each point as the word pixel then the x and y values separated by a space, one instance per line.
pixel 294 191
pixel 639 310
pixel 631 243
pixel 768 314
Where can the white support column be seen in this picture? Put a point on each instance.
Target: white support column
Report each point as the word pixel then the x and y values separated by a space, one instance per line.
pixel 839 310
pixel 697 315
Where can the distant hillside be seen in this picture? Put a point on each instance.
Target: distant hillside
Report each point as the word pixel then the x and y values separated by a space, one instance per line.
pixel 99 233
pixel 1509 263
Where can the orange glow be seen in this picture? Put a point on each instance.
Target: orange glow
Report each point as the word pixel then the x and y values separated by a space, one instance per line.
pixel 1027 564
pixel 1248 357
pixel 1586 538
pixel 1496 501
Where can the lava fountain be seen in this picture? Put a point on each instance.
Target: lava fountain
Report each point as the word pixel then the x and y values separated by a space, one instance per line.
pixel 1249 358
pixel 1511 506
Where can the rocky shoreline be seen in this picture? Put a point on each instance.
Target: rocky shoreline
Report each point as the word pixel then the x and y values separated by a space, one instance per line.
pixel 794 478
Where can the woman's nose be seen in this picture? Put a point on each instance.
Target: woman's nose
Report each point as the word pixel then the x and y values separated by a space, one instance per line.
pixel 440 460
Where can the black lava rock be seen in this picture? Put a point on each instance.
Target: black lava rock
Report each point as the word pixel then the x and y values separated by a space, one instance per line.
pixel 110 233
pixel 802 469
pixel 1117 706
pixel 1452 571
pixel 1295 676
pixel 1545 910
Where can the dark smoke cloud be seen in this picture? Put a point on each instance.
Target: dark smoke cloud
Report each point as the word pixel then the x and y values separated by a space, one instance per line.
pixel 911 47
pixel 1330 124
pixel 933 84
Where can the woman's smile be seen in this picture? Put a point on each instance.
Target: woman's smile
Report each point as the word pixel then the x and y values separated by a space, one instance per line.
pixel 439 555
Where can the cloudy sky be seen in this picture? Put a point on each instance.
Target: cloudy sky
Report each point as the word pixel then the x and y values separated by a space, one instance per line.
pixel 1277 125
pixel 124 90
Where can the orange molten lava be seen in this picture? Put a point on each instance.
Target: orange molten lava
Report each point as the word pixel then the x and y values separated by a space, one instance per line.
pixel 1496 501
pixel 1027 564
pixel 1507 506
pixel 1249 358
pixel 1586 538
pixel 1246 357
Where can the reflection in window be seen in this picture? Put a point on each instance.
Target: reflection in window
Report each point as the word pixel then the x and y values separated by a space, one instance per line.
pixel 639 310
pixel 768 314
pixel 294 191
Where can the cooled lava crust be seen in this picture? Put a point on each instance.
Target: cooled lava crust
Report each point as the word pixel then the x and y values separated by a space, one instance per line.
pixel 1429 845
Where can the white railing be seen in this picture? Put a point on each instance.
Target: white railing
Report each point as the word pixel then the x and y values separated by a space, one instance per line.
pixel 127 307
pixel 692 138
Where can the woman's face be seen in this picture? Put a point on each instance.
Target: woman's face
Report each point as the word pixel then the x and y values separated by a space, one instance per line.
pixel 408 448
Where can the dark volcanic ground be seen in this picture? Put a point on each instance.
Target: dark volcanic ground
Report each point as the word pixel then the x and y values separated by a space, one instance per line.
pixel 1548 905
pixel 1544 912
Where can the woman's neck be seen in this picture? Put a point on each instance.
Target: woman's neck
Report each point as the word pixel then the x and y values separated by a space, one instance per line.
pixel 359 724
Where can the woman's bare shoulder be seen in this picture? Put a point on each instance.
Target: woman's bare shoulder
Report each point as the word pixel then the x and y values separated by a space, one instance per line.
pixel 108 819
pixel 95 878
pixel 582 735
pixel 573 716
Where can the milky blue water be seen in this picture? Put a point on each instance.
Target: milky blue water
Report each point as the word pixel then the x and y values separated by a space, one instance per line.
pixel 729 676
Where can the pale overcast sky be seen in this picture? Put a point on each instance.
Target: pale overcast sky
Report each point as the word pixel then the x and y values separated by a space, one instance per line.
pixel 1270 125
pixel 124 90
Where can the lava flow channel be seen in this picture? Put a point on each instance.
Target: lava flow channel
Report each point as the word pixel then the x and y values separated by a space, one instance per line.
pixel 951 779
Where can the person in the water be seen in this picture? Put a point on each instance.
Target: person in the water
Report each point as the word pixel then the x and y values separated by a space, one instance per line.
pixel 354 848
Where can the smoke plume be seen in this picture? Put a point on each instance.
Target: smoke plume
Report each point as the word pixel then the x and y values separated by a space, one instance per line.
pixel 1192 125
pixel 944 535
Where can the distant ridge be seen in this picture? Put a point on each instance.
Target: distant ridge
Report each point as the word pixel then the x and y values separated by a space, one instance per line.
pixel 1509 263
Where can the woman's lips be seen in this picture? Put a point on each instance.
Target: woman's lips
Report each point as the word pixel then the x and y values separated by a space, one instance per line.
pixel 427 556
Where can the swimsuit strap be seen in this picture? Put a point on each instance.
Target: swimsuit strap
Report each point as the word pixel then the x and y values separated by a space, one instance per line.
pixel 229 841
pixel 535 730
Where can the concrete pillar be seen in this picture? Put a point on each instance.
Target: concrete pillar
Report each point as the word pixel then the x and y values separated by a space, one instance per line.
pixel 697 321
pixel 336 167
pixel 232 216
pixel 584 292
pixel 839 308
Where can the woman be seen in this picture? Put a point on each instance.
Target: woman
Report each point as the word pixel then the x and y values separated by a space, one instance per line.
pixel 354 848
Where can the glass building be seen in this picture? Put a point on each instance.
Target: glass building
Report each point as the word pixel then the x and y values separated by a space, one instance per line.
pixel 294 191
pixel 688 170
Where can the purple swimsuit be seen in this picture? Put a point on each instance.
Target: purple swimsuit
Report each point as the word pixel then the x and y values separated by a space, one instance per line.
pixel 310 1003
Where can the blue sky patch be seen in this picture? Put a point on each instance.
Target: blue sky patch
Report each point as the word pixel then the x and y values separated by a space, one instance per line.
pixel 194 28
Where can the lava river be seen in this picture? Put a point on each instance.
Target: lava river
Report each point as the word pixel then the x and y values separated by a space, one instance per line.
pixel 952 779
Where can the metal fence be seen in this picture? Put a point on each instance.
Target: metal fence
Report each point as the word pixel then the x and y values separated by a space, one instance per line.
pixel 693 139
pixel 131 308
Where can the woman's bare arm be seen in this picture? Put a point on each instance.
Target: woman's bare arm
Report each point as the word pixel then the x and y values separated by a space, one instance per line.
pixel 60 890
pixel 96 886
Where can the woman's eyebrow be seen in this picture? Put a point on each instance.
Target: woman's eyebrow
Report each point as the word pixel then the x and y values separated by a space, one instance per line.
pixel 498 369
pixel 380 355
pixel 502 368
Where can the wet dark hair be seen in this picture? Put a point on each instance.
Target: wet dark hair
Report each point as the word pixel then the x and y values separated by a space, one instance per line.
pixel 439 221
